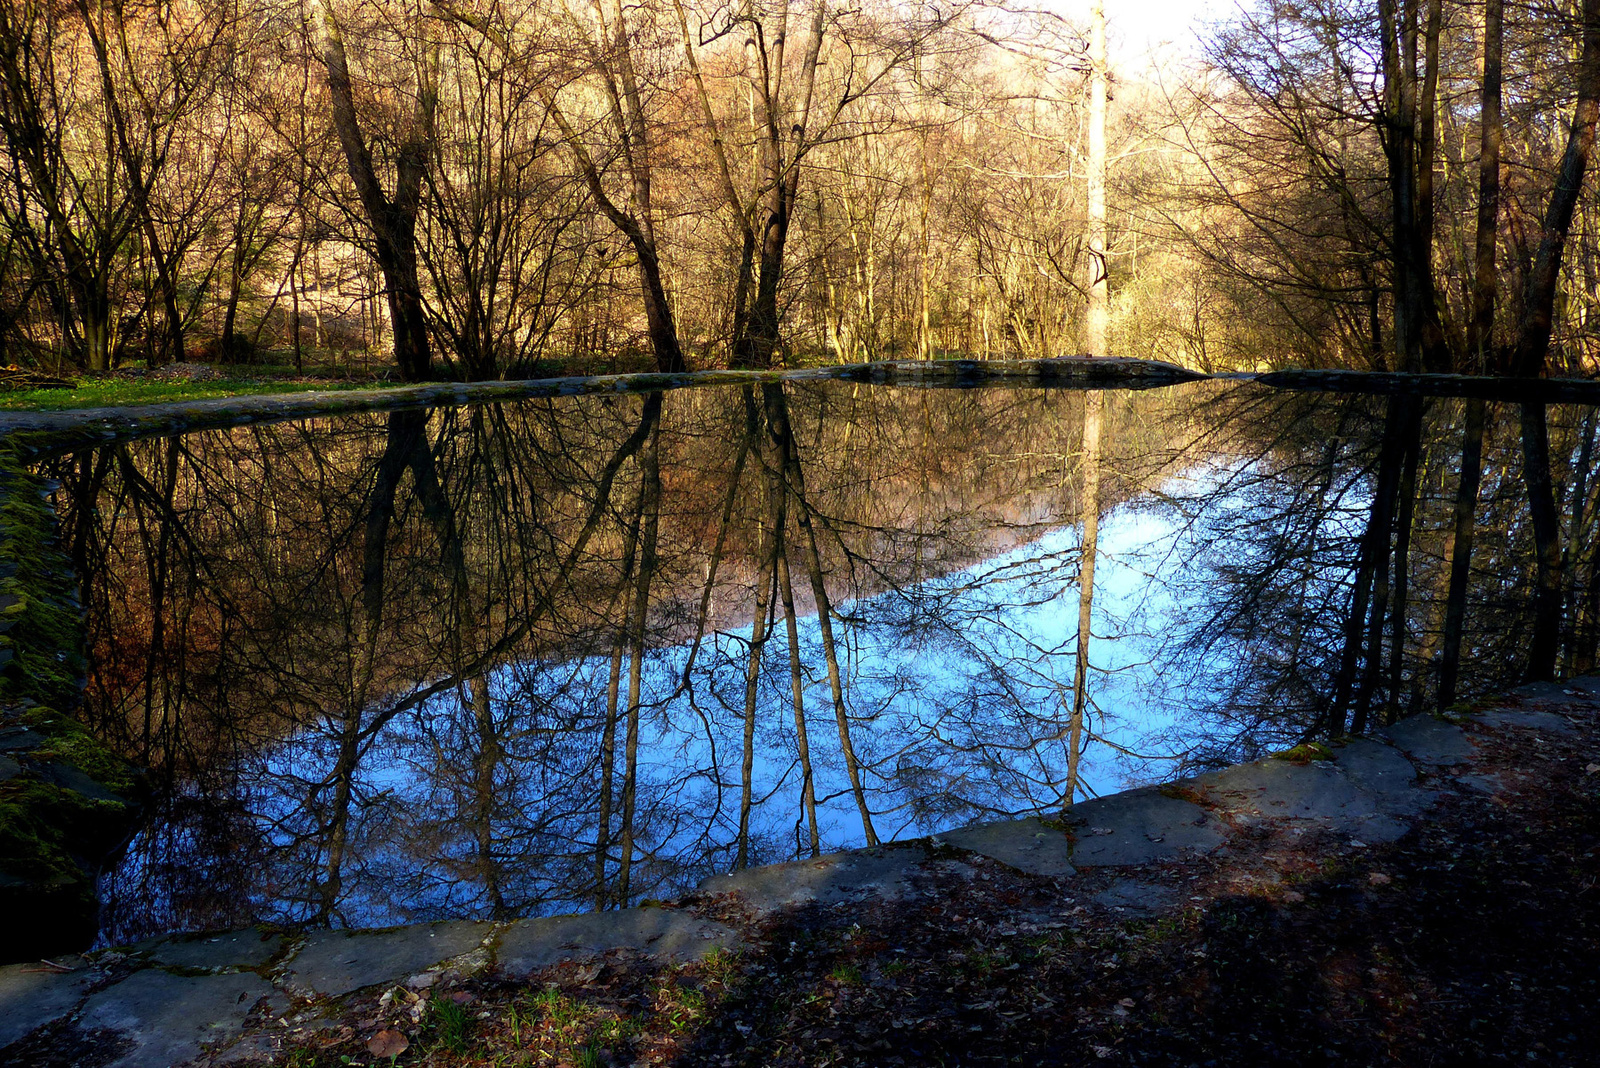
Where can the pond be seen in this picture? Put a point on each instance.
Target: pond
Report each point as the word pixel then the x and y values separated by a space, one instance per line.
pixel 574 653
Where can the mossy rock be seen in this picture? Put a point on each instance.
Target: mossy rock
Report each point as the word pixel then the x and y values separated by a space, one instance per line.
pixel 1305 753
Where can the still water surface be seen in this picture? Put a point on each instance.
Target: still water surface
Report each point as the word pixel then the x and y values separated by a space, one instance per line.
pixel 565 654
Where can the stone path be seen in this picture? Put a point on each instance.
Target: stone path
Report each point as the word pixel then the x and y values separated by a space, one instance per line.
pixel 232 998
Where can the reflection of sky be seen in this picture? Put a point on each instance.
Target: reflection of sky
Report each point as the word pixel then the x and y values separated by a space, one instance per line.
pixel 959 689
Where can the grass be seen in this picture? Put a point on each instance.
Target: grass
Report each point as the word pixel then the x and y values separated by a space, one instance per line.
pixel 452 1026
pixel 114 392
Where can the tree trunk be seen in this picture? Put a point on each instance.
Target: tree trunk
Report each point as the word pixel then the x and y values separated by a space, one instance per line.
pixel 1098 317
pixel 1538 308
pixel 1485 279
pixel 393 221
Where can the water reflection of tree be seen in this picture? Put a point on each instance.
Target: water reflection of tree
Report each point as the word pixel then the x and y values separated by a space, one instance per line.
pixel 299 614
pixel 1355 559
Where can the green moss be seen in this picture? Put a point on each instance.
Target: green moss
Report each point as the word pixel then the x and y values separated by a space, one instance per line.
pixel 43 827
pixel 70 743
pixel 38 598
pixel 1305 753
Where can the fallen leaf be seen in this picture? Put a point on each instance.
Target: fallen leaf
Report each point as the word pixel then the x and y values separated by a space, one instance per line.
pixel 388 1043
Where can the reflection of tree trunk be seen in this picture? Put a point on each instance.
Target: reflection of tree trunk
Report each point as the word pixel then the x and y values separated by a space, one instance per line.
pixel 649 514
pixel 1093 408
pixel 772 539
pixel 608 735
pixel 777 407
pixel 483 793
pixel 1461 552
pixel 1546 540
pixel 808 789
pixel 1402 558
pixel 1370 595
pixel 1400 427
pixel 1581 519
pixel 343 780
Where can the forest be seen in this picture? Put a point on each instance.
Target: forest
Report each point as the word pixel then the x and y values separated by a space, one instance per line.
pixel 484 189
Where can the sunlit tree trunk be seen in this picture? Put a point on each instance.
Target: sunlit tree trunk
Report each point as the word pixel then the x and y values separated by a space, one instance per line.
pixel 392 220
pixel 1491 132
pixel 1533 334
pixel 1097 323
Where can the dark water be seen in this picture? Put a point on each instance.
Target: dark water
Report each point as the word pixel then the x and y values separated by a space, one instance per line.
pixel 566 654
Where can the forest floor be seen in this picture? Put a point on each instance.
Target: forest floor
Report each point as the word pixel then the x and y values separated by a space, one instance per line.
pixel 1473 939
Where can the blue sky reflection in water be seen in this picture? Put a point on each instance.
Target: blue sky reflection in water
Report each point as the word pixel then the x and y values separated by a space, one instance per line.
pixel 370 660
pixel 930 697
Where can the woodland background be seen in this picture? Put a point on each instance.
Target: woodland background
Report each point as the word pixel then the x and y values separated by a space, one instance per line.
pixel 489 188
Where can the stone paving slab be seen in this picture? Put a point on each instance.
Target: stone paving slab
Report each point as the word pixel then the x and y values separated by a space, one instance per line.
pixel 1428 740
pixel 232 951
pixel 1385 773
pixel 171 1018
pixel 526 946
pixel 881 872
pixel 332 963
pixel 32 996
pixel 1277 789
pixel 1139 827
pixel 1027 845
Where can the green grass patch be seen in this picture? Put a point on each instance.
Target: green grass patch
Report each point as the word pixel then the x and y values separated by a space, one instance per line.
pixel 117 392
pixel 452 1026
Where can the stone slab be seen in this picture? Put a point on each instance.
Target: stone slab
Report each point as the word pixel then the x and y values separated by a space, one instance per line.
pixel 171 1019
pixel 882 872
pixel 1427 740
pixel 16 738
pixel 1585 687
pixel 232 951
pixel 1527 720
pixel 1139 827
pixel 332 963
pixel 9 769
pixel 1384 772
pixel 32 996
pixel 1282 789
pixel 1134 895
pixel 70 778
pixel 1027 845
pixel 673 935
pixel 1543 691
